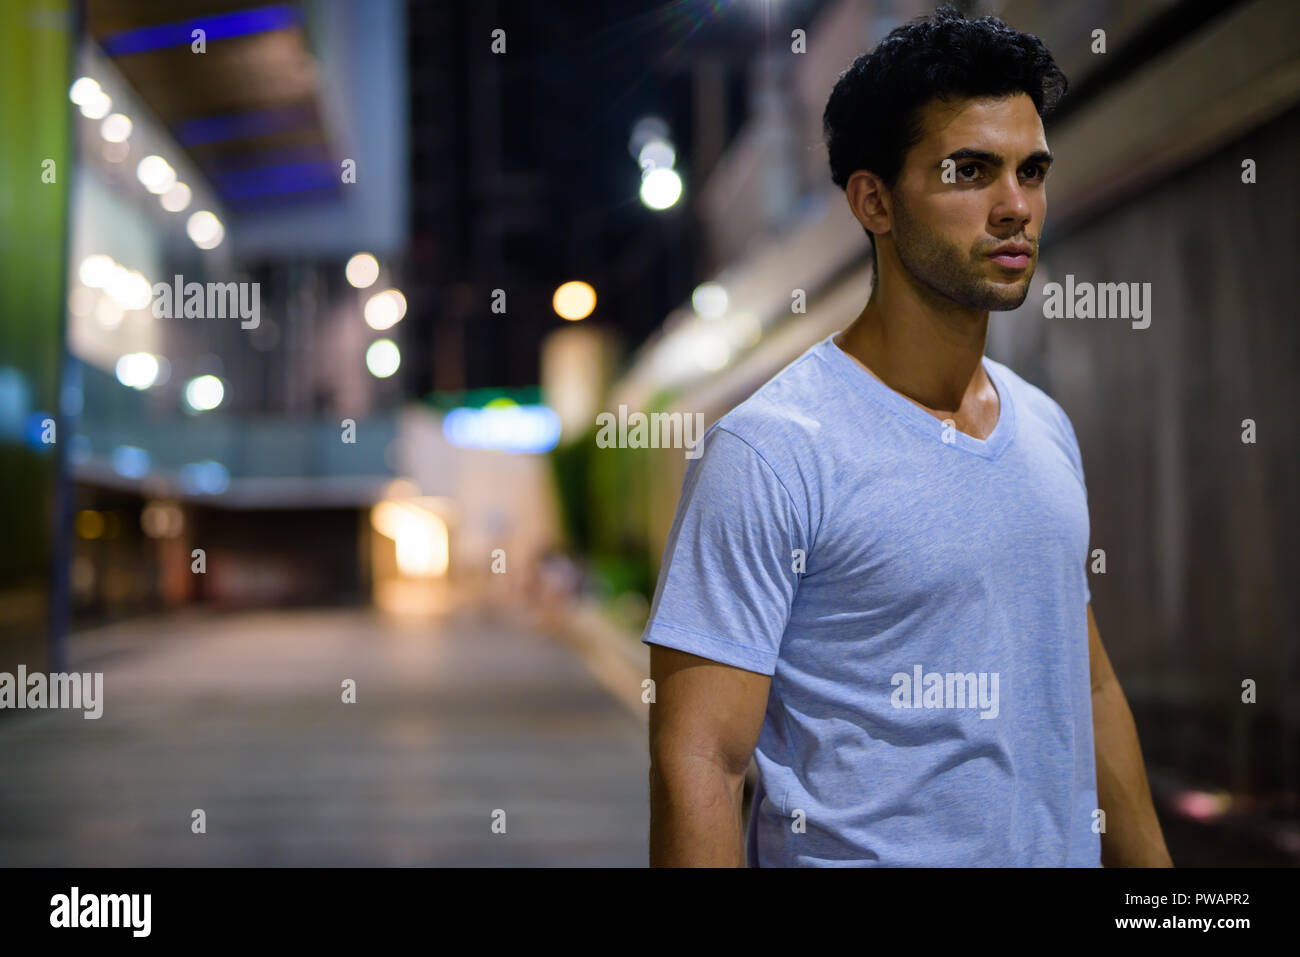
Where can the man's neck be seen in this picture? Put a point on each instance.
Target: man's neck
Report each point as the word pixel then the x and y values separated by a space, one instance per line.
pixel 928 353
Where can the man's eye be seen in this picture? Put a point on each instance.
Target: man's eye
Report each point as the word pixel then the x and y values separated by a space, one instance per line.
pixel 968 166
pixel 1034 171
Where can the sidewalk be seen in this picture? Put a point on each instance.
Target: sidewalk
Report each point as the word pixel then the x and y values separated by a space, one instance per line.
pixel 241 715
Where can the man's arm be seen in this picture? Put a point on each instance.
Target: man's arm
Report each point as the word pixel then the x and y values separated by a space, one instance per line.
pixel 1133 837
pixel 704 726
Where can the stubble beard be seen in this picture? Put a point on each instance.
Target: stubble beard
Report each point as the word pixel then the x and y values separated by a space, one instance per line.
pixel 950 271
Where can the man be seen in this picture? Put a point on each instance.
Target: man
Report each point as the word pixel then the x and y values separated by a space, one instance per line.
pixel 875 583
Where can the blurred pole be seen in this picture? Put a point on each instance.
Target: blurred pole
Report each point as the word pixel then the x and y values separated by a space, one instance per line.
pixel 36 166
pixel 577 362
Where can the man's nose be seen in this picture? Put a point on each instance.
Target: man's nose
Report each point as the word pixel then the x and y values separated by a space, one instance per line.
pixel 1012 203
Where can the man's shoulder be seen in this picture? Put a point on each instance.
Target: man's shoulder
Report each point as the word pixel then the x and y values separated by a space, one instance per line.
pixel 1036 406
pixel 1027 395
pixel 787 412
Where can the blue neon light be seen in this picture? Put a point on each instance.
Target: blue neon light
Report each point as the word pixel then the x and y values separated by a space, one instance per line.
pixel 130 461
pixel 204 478
pixel 221 26
pixel 522 428
pixel 272 180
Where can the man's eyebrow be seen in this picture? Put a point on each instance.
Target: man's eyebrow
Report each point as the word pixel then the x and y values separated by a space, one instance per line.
pixel 1042 157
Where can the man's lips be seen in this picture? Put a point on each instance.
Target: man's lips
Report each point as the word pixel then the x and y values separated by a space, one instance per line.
pixel 1012 255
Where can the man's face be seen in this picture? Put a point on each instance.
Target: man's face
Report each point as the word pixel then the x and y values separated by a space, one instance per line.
pixel 946 233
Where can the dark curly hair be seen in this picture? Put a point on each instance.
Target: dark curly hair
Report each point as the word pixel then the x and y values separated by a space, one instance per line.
pixel 872 117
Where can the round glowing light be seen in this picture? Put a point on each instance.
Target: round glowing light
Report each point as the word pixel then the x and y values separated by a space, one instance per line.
pixel 83 90
pixel 399 301
pixel 164 182
pixel 153 171
pixel 202 225
pixel 207 477
pixel 215 240
pixel 574 300
pixel 89 524
pixel 141 291
pixel 205 229
pixel 116 128
pixel 661 188
pixel 657 154
pixel 96 271
pixel 97 106
pixel 176 198
pixel 385 309
pixel 709 300
pixel 162 519
pixel 362 270
pixel 129 289
pixel 380 312
pixel 138 370
pixel 382 358
pixel 204 393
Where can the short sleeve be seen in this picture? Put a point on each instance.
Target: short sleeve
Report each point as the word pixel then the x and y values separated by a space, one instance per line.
pixel 728 577
pixel 1076 460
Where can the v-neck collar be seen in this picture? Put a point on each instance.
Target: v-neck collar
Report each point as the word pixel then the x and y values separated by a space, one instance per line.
pixel 867 384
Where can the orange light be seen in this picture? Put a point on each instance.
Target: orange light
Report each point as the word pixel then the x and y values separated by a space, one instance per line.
pixel 574 300
pixel 89 524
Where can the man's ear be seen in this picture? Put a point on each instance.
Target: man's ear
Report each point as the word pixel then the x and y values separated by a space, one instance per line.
pixel 869 199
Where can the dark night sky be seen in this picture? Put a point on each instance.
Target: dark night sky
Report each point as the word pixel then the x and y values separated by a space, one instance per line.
pixel 575 78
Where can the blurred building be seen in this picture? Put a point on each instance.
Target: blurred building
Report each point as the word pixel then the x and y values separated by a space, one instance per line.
pixel 362 181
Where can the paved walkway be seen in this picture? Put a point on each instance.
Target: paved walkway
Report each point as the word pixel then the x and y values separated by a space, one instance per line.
pixel 240 715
